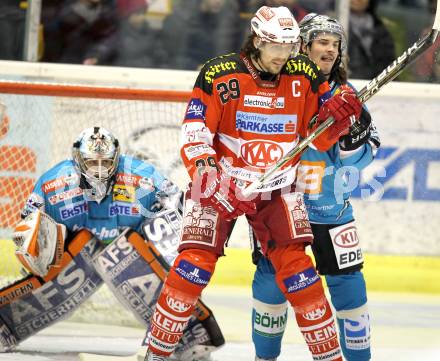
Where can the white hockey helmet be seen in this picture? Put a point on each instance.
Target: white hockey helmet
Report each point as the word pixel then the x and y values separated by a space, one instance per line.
pixel 313 24
pixel 275 24
pixel 96 156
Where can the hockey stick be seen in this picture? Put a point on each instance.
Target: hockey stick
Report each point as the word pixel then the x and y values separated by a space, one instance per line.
pixel 387 75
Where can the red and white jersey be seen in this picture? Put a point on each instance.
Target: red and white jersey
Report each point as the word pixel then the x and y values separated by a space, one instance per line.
pixel 244 124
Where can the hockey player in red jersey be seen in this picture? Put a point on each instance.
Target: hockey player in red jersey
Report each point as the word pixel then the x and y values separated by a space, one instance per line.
pixel 246 111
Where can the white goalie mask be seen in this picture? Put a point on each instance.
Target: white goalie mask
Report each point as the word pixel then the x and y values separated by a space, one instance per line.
pixel 96 156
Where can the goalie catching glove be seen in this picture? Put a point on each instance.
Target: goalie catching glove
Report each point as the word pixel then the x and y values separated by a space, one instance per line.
pixel 345 108
pixel 40 242
pixel 218 190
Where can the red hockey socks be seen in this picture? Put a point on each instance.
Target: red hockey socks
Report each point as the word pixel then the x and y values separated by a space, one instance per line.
pixel 319 330
pixel 189 275
pixel 169 321
pixel 297 278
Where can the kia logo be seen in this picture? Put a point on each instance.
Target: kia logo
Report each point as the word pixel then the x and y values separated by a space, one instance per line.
pixel 347 238
pixel 261 153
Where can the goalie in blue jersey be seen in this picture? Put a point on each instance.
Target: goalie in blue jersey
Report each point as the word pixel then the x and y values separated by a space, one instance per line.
pixel 97 218
pixel 326 179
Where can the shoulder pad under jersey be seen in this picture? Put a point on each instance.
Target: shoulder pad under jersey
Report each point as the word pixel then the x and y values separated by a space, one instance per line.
pixel 215 68
pixel 302 65
pixel 135 166
pixel 60 175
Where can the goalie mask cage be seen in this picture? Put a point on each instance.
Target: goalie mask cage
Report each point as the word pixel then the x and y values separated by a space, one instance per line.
pixel 39 123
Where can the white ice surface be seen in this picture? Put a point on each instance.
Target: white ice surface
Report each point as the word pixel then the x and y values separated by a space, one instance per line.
pixel 405 327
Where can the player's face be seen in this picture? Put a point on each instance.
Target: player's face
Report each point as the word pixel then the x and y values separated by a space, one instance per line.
pixel 273 56
pixel 98 168
pixel 324 51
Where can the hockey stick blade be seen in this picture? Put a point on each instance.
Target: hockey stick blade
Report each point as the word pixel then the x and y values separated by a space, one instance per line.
pixel 387 75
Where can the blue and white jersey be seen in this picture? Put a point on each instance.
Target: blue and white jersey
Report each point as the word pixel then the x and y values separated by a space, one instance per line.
pixel 327 181
pixel 127 204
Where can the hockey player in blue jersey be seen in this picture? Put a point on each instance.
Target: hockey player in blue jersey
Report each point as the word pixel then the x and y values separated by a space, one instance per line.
pixel 101 194
pixel 91 220
pixel 326 180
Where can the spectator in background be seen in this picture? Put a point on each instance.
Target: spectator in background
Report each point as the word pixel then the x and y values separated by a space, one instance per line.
pixel 371 46
pixel 427 67
pixel 12 25
pixel 138 45
pixel 198 30
pixel 77 34
pixel 436 69
pixel 318 6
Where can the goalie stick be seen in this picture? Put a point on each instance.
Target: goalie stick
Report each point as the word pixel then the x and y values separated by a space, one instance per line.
pixel 387 75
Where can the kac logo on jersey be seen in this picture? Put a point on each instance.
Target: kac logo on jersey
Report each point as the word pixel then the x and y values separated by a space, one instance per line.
pixel 196 109
pixel 261 153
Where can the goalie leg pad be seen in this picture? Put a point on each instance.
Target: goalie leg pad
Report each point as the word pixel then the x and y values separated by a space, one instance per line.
pixel 7 339
pixel 134 270
pixel 269 313
pixel 33 303
pixel 133 278
pixel 349 297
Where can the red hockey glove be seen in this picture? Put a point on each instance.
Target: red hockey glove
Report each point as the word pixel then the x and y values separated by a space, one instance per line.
pixel 218 190
pixel 345 108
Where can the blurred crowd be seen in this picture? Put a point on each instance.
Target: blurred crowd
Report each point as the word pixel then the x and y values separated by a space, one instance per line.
pixel 128 33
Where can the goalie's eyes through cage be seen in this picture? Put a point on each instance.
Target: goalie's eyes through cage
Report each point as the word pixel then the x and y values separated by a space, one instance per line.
pixel 99 168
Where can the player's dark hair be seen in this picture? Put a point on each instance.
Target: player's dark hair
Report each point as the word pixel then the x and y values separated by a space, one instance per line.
pixel 249 48
pixel 338 74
